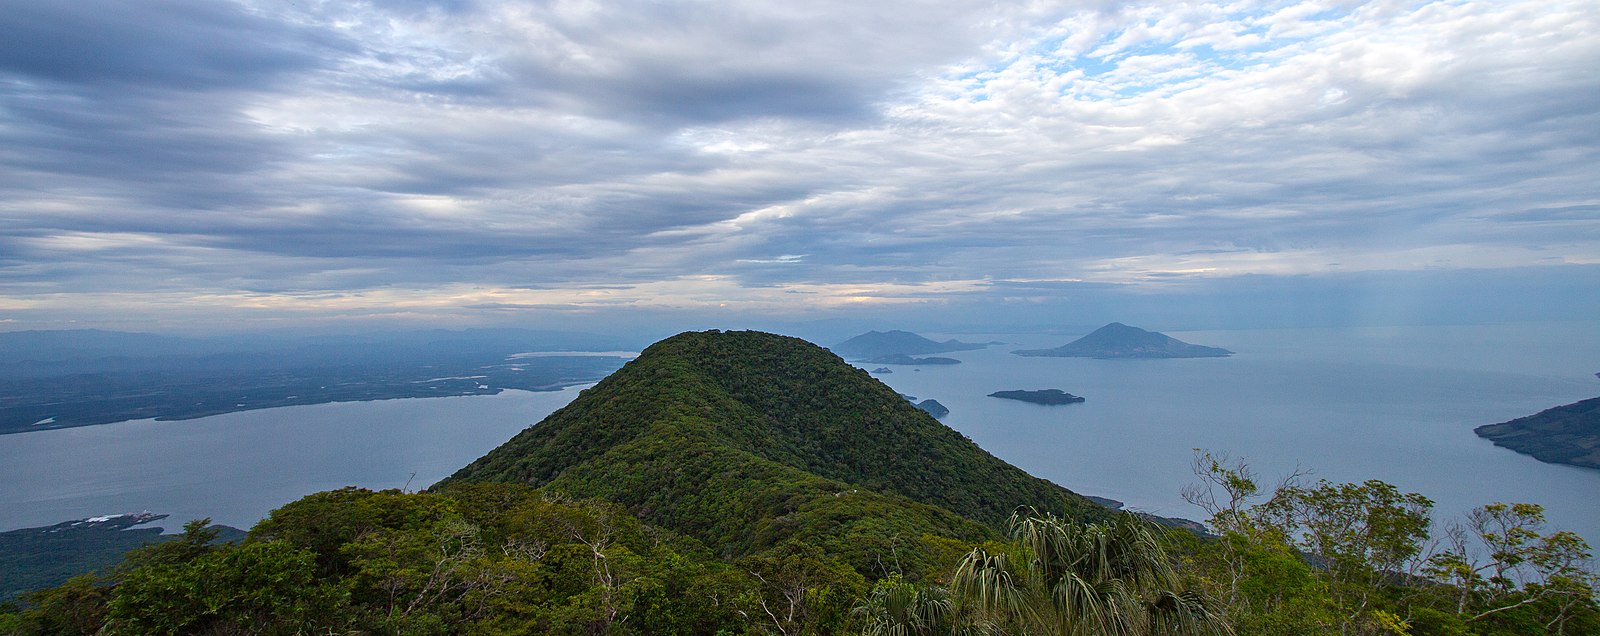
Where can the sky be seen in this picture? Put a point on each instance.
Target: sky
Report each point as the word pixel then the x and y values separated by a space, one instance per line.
pixel 219 164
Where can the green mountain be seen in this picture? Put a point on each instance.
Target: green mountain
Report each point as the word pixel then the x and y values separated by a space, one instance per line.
pixel 1117 340
pixel 879 344
pixel 747 441
pixel 1568 434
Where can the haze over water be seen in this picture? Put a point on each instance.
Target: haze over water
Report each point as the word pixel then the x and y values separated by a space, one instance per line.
pixel 1396 404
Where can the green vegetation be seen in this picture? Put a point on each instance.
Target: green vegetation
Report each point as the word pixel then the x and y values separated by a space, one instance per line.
pixel 1117 340
pixel 1362 559
pixel 1061 578
pixel 1568 434
pixel 746 483
pixel 35 558
pixel 745 440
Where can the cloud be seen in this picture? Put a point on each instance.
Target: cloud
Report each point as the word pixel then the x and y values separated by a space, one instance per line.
pixel 790 153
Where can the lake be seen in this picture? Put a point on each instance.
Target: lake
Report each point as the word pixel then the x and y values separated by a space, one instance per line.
pixel 1396 404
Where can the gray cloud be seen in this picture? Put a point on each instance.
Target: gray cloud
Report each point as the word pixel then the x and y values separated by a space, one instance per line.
pixel 130 45
pixel 505 156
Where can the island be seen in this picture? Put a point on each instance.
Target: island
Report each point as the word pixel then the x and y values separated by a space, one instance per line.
pixel 1117 340
pixel 1567 434
pixel 1047 396
pixel 883 370
pixel 933 407
pixel 878 344
pixel 901 358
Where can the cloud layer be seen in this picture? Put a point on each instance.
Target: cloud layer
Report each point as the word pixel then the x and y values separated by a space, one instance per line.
pixel 460 159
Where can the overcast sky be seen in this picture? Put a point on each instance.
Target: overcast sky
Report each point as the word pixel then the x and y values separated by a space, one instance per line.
pixel 193 163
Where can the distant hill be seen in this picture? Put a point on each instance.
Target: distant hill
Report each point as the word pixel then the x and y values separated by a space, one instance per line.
pixel 1117 340
pixel 748 440
pixel 879 344
pixel 1568 434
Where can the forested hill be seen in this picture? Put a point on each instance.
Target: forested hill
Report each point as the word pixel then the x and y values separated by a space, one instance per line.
pixel 737 438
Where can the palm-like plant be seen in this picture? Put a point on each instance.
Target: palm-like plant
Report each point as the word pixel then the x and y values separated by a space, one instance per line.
pixel 897 607
pixel 1068 579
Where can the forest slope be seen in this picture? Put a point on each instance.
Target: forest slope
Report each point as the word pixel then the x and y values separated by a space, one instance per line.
pixel 746 439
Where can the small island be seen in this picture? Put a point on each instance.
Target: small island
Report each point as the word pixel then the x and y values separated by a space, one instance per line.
pixel 933 407
pixel 1117 340
pixel 1567 434
pixel 883 370
pixel 1049 397
pixel 900 358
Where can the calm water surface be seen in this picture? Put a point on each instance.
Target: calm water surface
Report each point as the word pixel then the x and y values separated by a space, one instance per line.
pixel 1396 404
pixel 237 467
pixel 1391 404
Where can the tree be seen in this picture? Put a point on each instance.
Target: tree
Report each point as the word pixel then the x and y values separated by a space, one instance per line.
pixel 258 587
pixel 1056 577
pixel 802 590
pixel 1363 537
pixel 897 607
pixel 1501 561
pixel 75 607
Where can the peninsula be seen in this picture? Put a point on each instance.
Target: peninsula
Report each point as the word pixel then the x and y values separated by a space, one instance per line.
pixel 1117 340
pixel 1568 434
pixel 878 344
pixel 900 358
pixel 1046 396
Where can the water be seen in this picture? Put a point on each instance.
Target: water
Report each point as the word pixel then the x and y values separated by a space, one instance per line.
pixel 1391 404
pixel 235 468
pixel 1396 404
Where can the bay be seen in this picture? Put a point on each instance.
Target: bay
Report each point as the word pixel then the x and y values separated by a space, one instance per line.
pixel 237 467
pixel 1395 404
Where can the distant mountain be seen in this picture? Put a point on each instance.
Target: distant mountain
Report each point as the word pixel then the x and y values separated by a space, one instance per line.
pixel 747 441
pixel 1117 340
pixel 1568 434
pixel 878 344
